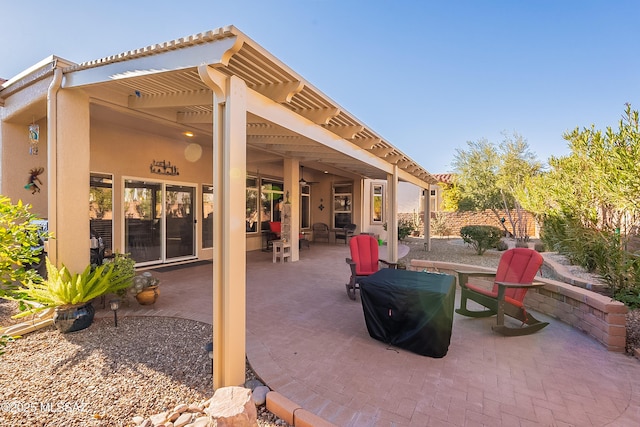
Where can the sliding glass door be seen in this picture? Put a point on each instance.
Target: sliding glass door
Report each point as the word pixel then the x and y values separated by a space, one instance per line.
pixel 179 238
pixel 158 221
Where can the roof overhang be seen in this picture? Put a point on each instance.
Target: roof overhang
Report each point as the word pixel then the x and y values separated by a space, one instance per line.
pixel 287 116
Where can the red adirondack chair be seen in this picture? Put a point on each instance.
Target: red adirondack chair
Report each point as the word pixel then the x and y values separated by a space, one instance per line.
pixel 513 278
pixel 364 261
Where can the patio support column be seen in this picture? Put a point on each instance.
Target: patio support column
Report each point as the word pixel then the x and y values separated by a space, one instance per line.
pixel 426 200
pixel 392 221
pixel 229 243
pixel 68 174
pixel 292 187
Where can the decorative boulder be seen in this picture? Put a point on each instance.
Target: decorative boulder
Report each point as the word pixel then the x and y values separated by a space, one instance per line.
pixel 233 407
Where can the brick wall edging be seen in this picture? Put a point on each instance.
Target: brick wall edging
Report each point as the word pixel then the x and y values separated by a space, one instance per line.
pixel 597 315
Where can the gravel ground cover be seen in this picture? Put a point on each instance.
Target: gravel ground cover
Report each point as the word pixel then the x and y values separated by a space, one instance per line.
pixel 103 375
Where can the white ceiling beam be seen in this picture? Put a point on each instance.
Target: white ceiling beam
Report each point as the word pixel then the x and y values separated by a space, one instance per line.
pixel 276 113
pixel 381 151
pixel 213 53
pixel 263 107
pixel 280 92
pixel 319 116
pixel 346 132
pixel 171 100
pixel 195 118
pixel 393 158
pixel 366 143
pixel 259 129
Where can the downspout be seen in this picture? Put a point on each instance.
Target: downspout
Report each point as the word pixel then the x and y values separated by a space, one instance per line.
pixel 52 162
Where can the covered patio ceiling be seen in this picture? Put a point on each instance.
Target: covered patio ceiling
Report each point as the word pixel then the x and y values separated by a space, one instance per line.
pixel 162 84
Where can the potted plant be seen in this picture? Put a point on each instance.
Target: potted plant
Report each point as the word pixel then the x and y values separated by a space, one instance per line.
pixel 123 269
pixel 145 288
pixel 71 294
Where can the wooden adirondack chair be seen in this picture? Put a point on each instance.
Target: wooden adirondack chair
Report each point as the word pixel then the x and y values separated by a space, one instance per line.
pixel 364 261
pixel 514 277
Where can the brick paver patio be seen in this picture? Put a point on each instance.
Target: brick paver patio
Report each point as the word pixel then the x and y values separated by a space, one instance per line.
pixel 309 342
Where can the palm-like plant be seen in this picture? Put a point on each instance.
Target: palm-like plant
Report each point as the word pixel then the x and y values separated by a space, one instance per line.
pixel 62 288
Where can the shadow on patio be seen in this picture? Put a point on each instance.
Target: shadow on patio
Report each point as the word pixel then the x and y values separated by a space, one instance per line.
pixel 308 341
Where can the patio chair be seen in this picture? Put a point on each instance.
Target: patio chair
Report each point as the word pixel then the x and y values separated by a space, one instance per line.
pixel 513 278
pixel 364 261
pixel 275 228
pixel 345 232
pixel 320 231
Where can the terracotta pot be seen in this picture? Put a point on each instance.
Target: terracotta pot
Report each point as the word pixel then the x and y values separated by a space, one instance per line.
pixel 71 318
pixel 148 295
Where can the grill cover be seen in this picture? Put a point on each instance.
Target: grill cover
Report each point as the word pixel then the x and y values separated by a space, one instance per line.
pixel 409 309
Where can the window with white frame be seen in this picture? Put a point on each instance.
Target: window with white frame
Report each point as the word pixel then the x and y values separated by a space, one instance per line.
pixel 271 199
pixel 342 205
pixel 207 216
pixel 433 201
pixel 252 210
pixel 101 207
pixel 305 206
pixel 377 203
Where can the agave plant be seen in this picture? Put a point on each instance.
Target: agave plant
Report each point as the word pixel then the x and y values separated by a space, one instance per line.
pixel 62 288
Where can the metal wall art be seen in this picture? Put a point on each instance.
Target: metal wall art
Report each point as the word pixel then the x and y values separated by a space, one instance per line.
pixel 34 180
pixel 163 168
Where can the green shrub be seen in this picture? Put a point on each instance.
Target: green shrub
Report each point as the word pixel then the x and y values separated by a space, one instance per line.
pixel 539 247
pixel 481 237
pixel 405 228
pixel 19 245
pixel 570 237
pixel 618 268
pixel 502 246
pixel 439 225
pixel 554 231
pixel 630 298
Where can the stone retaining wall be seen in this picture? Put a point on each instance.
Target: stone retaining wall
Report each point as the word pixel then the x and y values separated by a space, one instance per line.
pixel 597 315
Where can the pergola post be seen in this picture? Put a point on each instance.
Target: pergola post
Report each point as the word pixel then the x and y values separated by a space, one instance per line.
pixel 292 189
pixel 229 252
pixel 426 198
pixel 392 222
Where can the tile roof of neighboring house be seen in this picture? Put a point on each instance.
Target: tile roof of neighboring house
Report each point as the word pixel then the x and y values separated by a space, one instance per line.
pixel 446 178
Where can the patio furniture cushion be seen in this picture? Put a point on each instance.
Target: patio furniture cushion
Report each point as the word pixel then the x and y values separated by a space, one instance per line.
pixel 364 261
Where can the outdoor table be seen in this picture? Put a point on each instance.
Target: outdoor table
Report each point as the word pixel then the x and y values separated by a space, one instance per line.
pixel 410 309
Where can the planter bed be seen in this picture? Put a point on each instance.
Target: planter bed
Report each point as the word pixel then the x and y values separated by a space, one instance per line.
pixel 597 315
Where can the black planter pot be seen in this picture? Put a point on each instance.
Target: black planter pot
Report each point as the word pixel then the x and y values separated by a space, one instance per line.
pixel 71 318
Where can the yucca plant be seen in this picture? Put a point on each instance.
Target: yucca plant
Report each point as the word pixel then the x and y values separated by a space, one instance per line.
pixel 62 288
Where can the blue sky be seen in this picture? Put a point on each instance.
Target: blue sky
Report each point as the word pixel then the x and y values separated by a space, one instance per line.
pixel 427 76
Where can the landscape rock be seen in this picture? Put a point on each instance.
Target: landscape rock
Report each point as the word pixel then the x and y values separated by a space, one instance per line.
pixel 233 407
pixel 260 395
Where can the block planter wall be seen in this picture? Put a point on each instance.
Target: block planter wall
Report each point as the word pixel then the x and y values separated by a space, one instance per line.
pixel 596 315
